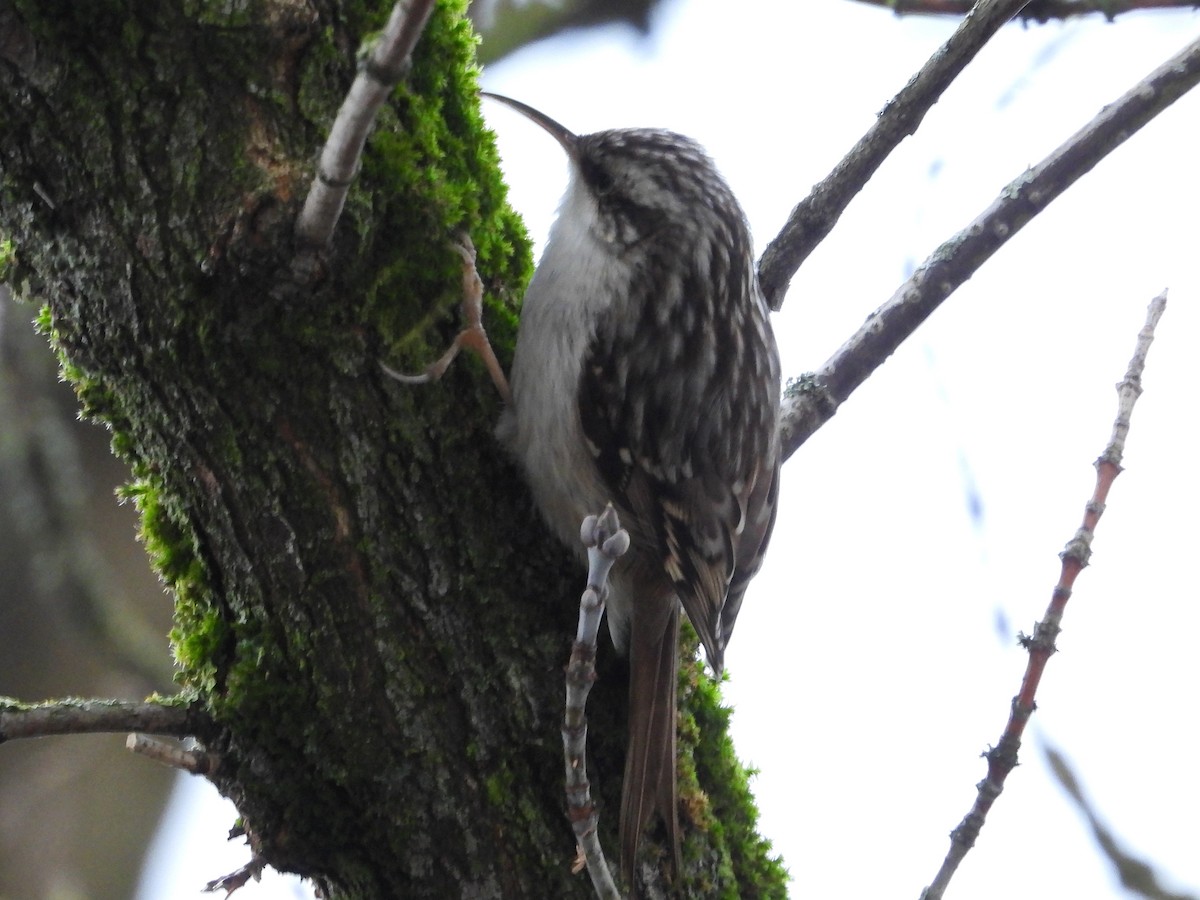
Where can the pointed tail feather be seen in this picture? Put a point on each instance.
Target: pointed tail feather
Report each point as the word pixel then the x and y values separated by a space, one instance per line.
pixel 649 784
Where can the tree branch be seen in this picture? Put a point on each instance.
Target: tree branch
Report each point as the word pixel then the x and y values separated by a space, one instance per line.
pixel 606 542
pixel 1040 11
pixel 73 716
pixel 194 762
pixel 381 71
pixel 811 401
pixel 815 215
pixel 1002 758
pixel 1136 875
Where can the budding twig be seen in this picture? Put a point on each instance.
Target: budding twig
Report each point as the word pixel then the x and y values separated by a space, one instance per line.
pixel 1002 758
pixel 606 542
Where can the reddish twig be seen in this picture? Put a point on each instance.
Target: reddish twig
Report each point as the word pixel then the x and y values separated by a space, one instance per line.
pixel 1002 758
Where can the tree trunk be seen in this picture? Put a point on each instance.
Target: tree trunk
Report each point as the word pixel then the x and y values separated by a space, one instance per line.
pixel 365 600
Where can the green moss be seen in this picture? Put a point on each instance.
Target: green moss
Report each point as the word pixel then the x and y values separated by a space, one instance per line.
pixel 194 641
pixel 745 866
pixel 499 788
pixel 8 259
pixel 182 699
pixel 193 367
pixel 432 160
pixel 200 628
pixel 244 687
pixel 159 92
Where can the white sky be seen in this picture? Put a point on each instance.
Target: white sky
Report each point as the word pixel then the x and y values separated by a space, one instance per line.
pixel 875 656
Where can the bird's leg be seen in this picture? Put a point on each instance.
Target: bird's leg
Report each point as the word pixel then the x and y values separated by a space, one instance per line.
pixel 472 337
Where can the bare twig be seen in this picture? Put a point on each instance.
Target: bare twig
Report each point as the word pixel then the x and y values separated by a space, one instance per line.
pixel 817 213
pixel 71 716
pixel 195 762
pixel 811 401
pixel 1002 758
pixel 384 66
pixel 1037 10
pixel 606 542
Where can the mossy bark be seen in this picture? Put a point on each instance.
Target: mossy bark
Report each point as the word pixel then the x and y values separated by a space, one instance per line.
pixel 365 599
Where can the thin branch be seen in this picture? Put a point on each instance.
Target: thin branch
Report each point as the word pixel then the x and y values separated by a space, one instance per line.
pixel 508 25
pixel 1136 875
pixel 817 213
pixel 1040 11
pixel 384 66
pixel 194 762
pixel 811 401
pixel 606 542
pixel 1002 758
pixel 72 716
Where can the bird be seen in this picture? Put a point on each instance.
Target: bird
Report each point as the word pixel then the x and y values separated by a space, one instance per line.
pixel 646 375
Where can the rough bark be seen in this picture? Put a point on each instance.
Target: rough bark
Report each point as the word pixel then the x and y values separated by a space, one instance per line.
pixel 365 600
pixel 80 614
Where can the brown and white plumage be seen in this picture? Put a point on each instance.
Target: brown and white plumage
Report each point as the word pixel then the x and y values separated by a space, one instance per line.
pixel 646 375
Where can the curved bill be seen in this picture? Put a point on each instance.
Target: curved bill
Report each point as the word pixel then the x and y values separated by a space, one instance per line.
pixel 564 137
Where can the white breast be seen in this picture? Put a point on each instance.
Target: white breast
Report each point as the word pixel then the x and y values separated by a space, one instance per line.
pixel 574 282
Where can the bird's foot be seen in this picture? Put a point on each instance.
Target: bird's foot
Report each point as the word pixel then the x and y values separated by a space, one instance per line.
pixel 472 337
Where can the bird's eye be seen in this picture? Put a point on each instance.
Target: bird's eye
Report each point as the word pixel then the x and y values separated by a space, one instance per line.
pixel 602 181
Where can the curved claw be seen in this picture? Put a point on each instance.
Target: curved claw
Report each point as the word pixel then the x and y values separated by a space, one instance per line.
pixel 433 371
pixel 472 337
